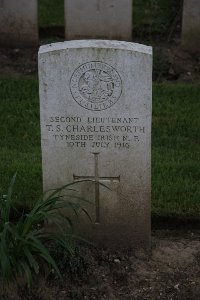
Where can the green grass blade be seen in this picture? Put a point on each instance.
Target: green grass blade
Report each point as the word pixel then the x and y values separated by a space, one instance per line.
pixel 32 262
pixel 44 253
pixel 27 272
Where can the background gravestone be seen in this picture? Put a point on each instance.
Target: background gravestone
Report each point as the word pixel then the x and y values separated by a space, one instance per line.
pixel 191 25
pixel 109 19
pixel 18 23
pixel 95 99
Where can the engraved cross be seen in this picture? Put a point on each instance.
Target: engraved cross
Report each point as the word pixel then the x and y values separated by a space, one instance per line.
pixel 97 180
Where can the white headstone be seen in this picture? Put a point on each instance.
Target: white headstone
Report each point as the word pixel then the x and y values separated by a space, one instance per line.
pixel 18 23
pixel 191 25
pixel 105 19
pixel 95 99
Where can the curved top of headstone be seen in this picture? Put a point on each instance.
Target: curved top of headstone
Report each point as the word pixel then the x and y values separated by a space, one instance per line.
pixel 106 44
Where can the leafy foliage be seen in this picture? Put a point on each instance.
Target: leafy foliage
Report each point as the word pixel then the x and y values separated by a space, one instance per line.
pixel 24 242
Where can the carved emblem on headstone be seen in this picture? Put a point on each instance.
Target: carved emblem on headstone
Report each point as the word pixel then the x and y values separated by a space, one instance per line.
pixel 96 86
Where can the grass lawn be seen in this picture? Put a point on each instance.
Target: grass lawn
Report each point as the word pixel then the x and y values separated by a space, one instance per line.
pixel 176 150
pixel 20 138
pixel 51 13
pixel 175 145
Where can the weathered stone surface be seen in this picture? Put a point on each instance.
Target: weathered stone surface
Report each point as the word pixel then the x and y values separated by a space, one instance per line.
pixel 105 19
pixel 191 25
pixel 96 124
pixel 18 23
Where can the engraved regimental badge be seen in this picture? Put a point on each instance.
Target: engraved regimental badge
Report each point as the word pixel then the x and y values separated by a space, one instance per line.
pixel 96 86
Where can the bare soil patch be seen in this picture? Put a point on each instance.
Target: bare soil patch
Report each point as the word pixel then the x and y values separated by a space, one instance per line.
pixel 171 270
pixel 18 61
pixel 171 62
